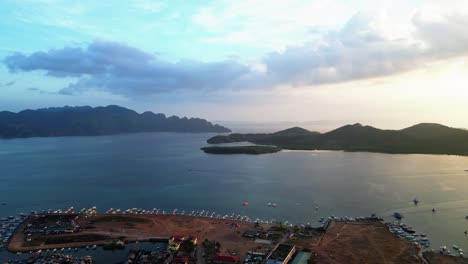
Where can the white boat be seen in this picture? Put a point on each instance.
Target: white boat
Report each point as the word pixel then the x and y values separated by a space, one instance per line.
pixel 455 247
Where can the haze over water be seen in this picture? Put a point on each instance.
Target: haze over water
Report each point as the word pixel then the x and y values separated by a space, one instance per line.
pixel 168 170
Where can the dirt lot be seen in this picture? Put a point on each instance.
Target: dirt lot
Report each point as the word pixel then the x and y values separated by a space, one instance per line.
pixel 342 243
pixel 434 258
pixel 102 228
pixel 364 243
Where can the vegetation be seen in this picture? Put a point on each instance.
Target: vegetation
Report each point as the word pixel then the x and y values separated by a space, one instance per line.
pixel 88 121
pixel 423 138
pixel 253 150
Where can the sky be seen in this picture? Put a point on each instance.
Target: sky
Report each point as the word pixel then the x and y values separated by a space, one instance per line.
pixel 389 64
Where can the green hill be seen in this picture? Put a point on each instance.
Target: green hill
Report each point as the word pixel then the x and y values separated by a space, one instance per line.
pixel 89 121
pixel 422 138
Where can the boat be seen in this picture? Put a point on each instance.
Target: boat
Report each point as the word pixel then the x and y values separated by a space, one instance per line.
pixel 397 215
pixel 415 201
pixel 455 247
pixel 409 230
pixel 433 210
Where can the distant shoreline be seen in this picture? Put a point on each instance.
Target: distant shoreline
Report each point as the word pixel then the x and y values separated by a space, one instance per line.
pixel 252 150
pixel 423 138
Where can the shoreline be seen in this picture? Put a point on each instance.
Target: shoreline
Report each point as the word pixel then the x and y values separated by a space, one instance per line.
pixel 339 239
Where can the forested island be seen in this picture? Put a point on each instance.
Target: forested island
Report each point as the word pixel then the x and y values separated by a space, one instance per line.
pixel 253 150
pixel 89 121
pixel 425 138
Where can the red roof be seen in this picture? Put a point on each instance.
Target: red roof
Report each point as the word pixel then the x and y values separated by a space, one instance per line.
pixel 183 259
pixel 226 258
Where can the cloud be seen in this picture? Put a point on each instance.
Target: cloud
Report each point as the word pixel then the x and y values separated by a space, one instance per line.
pixel 39 90
pixel 125 70
pixel 367 46
pixel 149 6
pixel 7 84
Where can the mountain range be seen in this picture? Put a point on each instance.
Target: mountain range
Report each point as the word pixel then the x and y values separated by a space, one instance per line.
pixel 92 121
pixel 425 138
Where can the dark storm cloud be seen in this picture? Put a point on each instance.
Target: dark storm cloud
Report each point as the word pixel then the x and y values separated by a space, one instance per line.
pixel 357 51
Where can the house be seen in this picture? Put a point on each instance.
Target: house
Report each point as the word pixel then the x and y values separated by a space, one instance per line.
pixel 281 254
pixel 180 260
pixel 174 242
pixel 193 239
pixel 251 233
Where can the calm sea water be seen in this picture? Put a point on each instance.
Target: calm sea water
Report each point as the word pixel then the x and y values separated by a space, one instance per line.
pixel 167 170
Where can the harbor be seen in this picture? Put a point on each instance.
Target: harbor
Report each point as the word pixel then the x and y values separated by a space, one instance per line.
pixel 174 236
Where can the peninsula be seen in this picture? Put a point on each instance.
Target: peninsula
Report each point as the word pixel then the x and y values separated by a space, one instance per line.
pixel 89 121
pixel 425 138
pixel 221 239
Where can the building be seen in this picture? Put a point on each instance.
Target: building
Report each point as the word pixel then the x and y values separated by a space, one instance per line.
pixel 175 241
pixel 302 258
pixel 180 260
pixel 251 233
pixel 281 254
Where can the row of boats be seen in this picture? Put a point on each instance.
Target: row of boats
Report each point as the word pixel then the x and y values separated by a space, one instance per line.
pixel 54 258
pixel 197 213
pixel 8 226
pixel 324 222
pixel 58 250
pixel 444 250
pixel 406 232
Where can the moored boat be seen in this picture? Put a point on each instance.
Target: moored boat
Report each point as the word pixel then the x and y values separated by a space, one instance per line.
pixel 397 215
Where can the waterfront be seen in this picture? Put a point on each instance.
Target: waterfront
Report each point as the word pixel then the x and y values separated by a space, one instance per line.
pixel 168 170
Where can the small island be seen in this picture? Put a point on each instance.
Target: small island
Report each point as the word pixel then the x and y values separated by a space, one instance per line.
pixel 252 150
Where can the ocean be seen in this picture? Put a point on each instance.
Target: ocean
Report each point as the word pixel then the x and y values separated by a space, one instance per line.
pixel 168 170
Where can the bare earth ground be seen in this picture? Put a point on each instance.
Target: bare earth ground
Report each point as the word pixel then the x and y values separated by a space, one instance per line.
pixel 345 243
pixel 435 258
pixel 364 243
pixel 102 228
